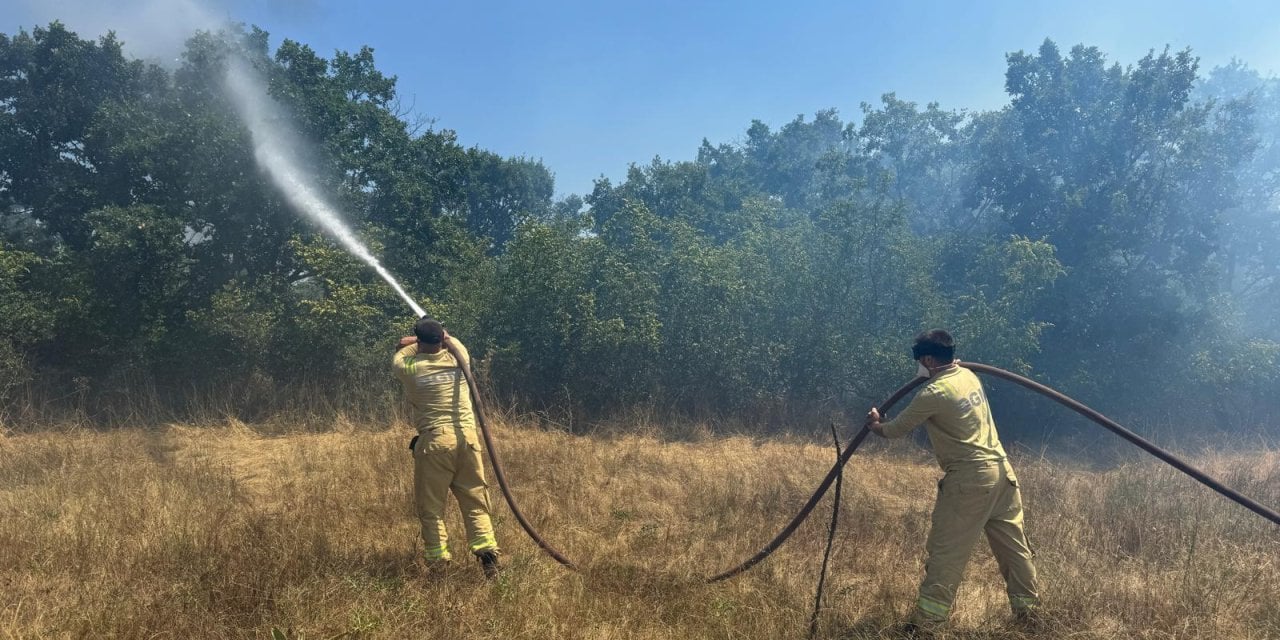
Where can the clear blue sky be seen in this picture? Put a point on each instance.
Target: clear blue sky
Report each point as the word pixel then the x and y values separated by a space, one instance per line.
pixel 589 87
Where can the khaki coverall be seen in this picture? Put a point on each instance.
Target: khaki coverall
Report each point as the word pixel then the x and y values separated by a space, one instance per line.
pixel 447 455
pixel 979 493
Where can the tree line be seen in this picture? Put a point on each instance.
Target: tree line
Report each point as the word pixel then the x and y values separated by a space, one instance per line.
pixel 1111 231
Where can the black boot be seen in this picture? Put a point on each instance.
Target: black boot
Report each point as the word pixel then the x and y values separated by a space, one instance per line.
pixel 915 631
pixel 488 562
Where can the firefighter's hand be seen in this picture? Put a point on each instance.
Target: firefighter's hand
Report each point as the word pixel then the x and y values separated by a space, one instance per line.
pixel 406 341
pixel 873 422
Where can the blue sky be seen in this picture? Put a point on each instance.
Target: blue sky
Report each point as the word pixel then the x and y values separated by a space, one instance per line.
pixel 589 87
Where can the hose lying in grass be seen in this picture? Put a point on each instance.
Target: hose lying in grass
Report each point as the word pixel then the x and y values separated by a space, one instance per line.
pixel 478 407
pixel 1068 402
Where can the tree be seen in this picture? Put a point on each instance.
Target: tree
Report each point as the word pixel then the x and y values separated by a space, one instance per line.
pixel 26 319
pixel 1127 179
pixel 925 153
pixel 502 193
pixel 52 85
pixel 1249 229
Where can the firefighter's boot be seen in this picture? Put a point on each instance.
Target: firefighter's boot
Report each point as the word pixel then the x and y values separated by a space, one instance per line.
pixel 488 562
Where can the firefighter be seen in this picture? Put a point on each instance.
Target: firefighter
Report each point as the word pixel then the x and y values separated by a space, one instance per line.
pixel 978 493
pixel 446 451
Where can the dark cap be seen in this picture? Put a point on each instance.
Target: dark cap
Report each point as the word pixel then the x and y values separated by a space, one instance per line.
pixel 937 343
pixel 429 330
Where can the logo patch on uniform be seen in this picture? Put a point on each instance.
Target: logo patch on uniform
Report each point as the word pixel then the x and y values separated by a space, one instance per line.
pixel 975 399
pixel 446 377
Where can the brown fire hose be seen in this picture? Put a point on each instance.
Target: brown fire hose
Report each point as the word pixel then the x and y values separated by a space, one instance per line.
pixel 817 495
pixel 1111 425
pixel 478 407
pixel 1068 402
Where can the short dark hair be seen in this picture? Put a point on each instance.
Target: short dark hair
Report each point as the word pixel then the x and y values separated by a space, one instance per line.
pixel 935 342
pixel 429 330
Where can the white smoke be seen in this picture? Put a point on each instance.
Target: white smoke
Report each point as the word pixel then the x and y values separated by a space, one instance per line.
pixel 150 29
pixel 156 30
pixel 271 143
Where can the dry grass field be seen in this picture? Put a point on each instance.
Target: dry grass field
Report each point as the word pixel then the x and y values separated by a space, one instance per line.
pixel 231 532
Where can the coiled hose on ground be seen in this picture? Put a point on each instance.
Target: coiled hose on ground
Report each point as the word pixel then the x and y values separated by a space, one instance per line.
pixel 478 407
pixel 1064 400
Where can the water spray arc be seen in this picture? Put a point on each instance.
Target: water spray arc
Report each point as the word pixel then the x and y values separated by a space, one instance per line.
pixel 271 143
pixel 1043 390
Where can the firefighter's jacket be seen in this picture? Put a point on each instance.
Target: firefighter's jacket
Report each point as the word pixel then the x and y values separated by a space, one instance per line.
pixel 954 408
pixel 435 389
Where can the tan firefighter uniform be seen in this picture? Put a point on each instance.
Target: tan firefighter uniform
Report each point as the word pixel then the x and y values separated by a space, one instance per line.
pixel 979 493
pixel 447 455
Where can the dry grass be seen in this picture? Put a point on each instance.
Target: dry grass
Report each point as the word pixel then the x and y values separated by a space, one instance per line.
pixel 225 532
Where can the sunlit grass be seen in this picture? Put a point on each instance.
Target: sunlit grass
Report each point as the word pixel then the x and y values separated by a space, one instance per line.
pixel 220 532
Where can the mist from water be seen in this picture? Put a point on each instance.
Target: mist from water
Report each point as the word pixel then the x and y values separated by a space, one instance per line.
pixel 272 141
pixel 158 30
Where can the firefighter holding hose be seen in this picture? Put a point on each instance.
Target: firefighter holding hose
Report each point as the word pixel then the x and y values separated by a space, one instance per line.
pixel 978 493
pixel 446 451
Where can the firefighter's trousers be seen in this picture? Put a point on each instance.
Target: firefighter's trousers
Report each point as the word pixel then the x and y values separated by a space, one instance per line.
pixel 448 459
pixel 972 499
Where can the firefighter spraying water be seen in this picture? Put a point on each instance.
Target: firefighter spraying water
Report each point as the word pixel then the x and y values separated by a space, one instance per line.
pixel 446 451
pixel 434 369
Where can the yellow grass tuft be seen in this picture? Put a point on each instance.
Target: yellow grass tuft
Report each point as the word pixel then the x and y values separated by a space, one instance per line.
pixel 229 531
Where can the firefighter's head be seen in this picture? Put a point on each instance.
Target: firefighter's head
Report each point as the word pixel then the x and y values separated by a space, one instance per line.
pixel 430 334
pixel 934 348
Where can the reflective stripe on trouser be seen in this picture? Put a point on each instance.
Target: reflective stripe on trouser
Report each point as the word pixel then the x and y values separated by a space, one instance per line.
pixel 1023 602
pixel 448 460
pixel 976 498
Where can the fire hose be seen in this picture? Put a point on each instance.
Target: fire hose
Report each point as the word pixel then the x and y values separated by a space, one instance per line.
pixel 817 495
pixel 1060 398
pixel 478 407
